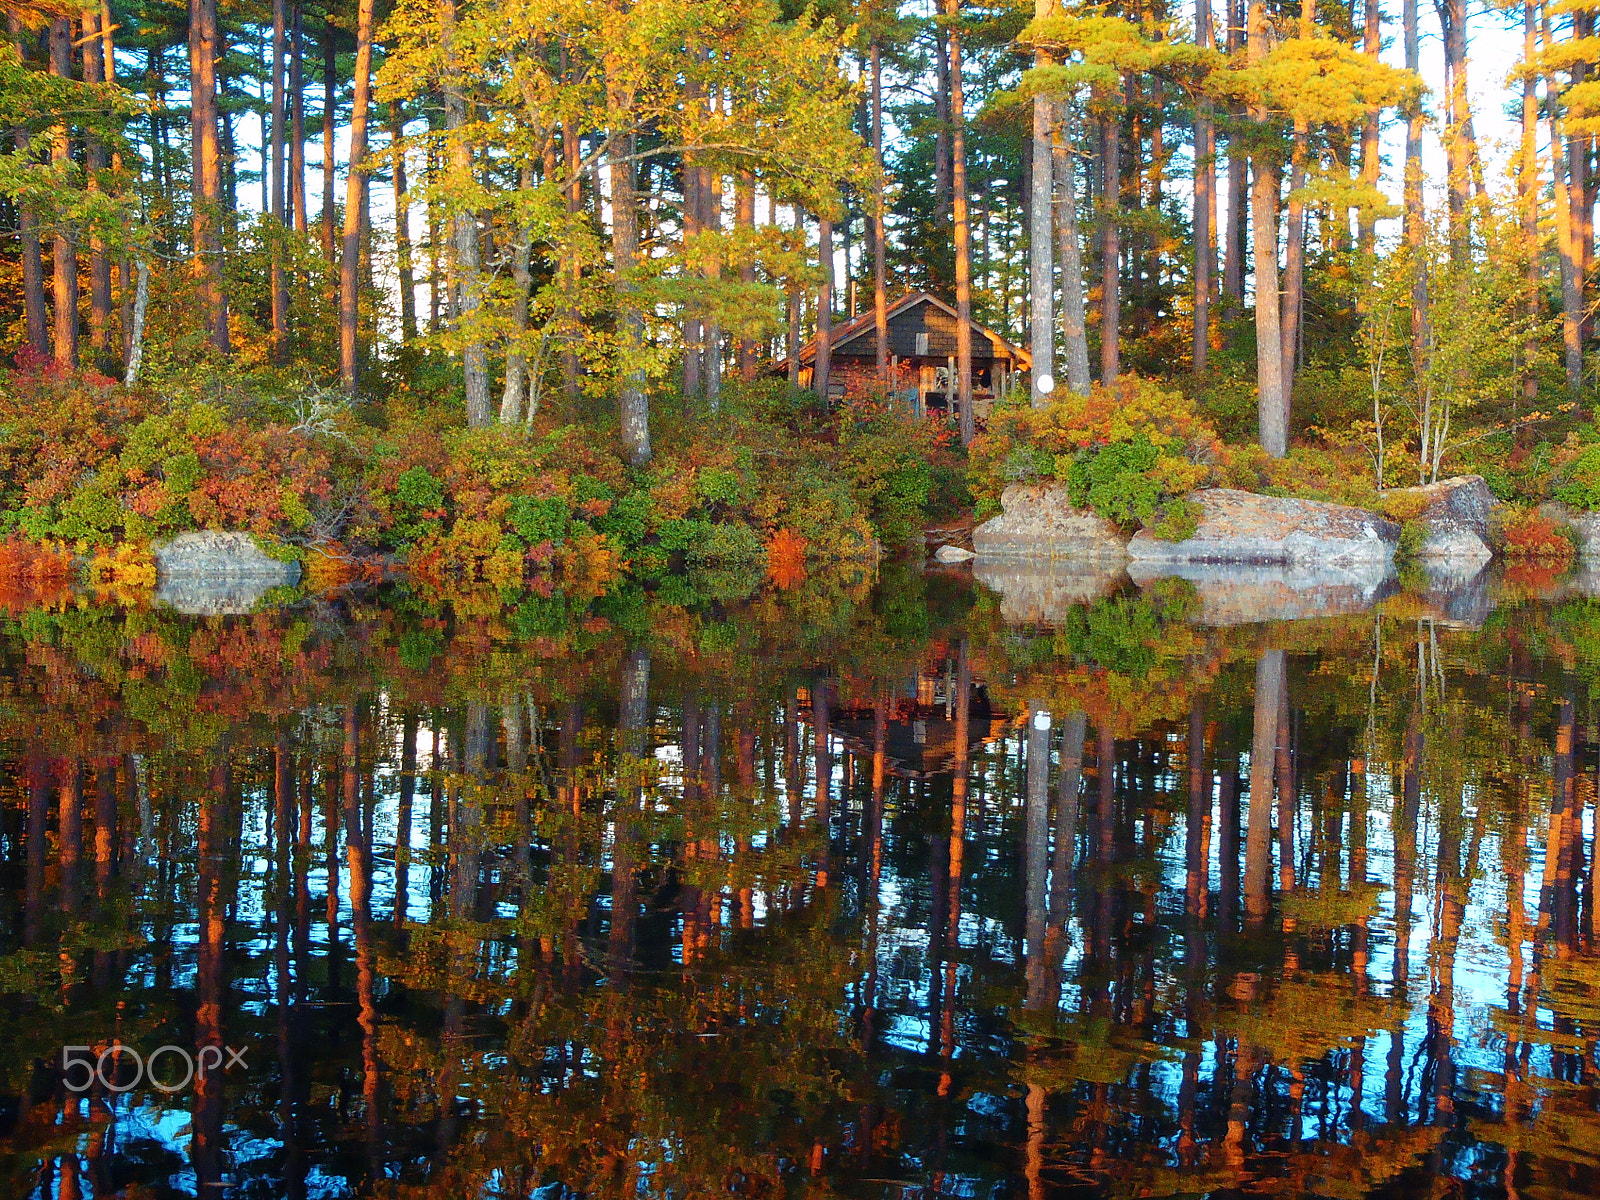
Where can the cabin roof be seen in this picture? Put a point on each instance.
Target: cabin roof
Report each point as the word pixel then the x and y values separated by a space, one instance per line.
pixel 862 329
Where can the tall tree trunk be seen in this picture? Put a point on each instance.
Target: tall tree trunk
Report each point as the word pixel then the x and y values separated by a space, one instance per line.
pixel 963 232
pixel 1371 160
pixel 64 250
pixel 1110 249
pixel 1069 249
pixel 141 301
pixel 297 120
pixel 633 403
pixel 792 333
pixel 744 218
pixel 880 292
pixel 355 201
pixel 1272 397
pixel 402 224
pixel 329 106
pixel 35 316
pixel 1528 196
pixel 1415 216
pixel 464 239
pixel 822 364
pixel 1295 248
pixel 1205 205
pixel 439 300
pixel 570 267
pixel 1579 200
pixel 1041 246
pixel 1566 239
pixel 693 215
pixel 1233 240
pixel 522 283
pixel 711 222
pixel 1453 26
pixel 278 188
pixel 94 158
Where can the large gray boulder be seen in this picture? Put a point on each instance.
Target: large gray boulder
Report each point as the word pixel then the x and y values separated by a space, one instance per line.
pixel 1243 527
pixel 1456 519
pixel 1039 521
pixel 222 558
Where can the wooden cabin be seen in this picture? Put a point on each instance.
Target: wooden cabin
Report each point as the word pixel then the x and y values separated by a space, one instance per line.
pixel 922 359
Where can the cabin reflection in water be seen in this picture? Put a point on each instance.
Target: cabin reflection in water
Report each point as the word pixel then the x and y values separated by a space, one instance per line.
pixel 833 894
pixel 920 724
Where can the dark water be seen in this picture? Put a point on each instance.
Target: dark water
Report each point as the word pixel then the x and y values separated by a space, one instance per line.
pixel 794 898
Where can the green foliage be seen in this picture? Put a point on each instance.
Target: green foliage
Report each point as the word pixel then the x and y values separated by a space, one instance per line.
pixel 542 520
pixel 417 488
pixel 1580 484
pixel 1129 453
pixel 724 544
pixel 1116 480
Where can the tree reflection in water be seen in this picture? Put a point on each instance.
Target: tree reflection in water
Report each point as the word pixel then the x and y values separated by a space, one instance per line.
pixel 840 893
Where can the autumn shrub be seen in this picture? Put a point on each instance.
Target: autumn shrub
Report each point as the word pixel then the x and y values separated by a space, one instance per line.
pixel 896 465
pixel 786 559
pixel 1525 534
pixel 88 462
pixel 1339 473
pixel 1402 505
pixel 93 465
pixel 1579 484
pixel 1130 452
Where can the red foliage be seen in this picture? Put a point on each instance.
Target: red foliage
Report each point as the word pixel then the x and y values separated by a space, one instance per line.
pixel 1527 534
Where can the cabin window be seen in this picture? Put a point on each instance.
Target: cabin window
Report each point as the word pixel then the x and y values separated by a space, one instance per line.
pixel 922 342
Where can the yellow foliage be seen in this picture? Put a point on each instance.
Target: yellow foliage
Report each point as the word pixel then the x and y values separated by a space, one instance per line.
pixel 126 565
pixel 590 564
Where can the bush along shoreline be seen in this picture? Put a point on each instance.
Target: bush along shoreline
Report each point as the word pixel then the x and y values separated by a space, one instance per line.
pixel 93 475
pixel 767 488
pixel 1135 453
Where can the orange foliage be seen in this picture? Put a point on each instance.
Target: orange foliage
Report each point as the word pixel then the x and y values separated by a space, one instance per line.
pixel 1528 534
pixel 330 568
pixel 1533 578
pixel 24 561
pixel 786 558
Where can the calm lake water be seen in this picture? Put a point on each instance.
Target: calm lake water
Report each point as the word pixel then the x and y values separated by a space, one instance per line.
pixel 900 889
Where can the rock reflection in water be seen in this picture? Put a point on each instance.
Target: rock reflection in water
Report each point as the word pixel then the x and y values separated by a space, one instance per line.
pixel 834 893
pixel 1235 594
pixel 1041 590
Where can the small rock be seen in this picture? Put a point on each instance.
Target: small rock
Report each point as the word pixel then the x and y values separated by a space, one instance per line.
pixel 1039 521
pixel 1243 527
pixel 1456 519
pixel 223 556
pixel 953 554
